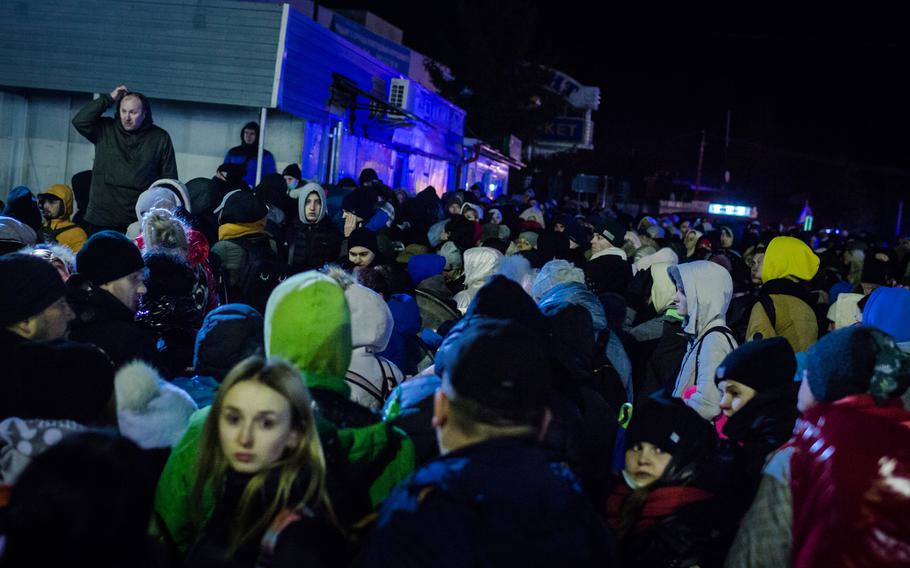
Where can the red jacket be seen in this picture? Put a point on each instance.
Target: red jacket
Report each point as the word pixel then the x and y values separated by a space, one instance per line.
pixel 850 482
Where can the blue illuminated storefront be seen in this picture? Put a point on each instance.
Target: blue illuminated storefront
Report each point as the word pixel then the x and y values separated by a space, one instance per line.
pixel 342 92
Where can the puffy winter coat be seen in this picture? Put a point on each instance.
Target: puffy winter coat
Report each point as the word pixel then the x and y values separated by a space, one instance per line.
pixel 312 243
pixel 62 230
pixel 479 264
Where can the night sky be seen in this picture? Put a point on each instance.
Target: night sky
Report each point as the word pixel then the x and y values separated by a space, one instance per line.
pixel 818 90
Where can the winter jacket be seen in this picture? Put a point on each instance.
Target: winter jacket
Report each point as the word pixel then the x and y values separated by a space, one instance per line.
pixel 307 322
pixel 787 262
pixel 608 271
pixel 403 349
pixel 103 320
pixel 479 264
pixel 495 503
pixel 708 289
pixel 247 155
pixel 371 327
pixel 126 162
pixel 62 229
pixel 828 497
pixel 410 408
pixel 197 256
pixel 313 244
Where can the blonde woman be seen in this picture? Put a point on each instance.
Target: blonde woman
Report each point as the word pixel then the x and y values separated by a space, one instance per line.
pixel 261 456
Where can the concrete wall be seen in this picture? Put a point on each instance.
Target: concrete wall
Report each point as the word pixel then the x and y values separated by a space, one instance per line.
pixel 39 147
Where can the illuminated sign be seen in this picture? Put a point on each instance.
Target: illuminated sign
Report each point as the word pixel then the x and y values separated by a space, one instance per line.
pixel 732 210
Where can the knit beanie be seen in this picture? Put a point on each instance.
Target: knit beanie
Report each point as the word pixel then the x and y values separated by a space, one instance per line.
pixel 553 274
pixel 672 426
pixel 360 202
pixel 761 365
pixel 107 256
pixel 22 205
pixel 28 285
pixel 292 170
pixel 612 230
pixel 856 360
pixel 362 237
pixel 229 334
pixel 529 236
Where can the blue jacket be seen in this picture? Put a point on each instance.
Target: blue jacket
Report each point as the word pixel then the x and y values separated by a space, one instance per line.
pixel 496 503
pixel 236 156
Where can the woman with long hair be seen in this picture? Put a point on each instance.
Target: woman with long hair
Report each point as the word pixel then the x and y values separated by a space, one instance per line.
pixel 261 456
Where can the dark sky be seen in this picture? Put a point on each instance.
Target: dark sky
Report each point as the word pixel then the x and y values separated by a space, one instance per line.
pixel 821 85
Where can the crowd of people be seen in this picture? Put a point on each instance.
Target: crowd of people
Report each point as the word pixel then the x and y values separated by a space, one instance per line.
pixel 230 373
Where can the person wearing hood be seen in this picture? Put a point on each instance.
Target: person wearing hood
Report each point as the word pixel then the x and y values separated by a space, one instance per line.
pixel 170 194
pixel 703 292
pixel 479 264
pixel 229 334
pixel 22 205
pixel 833 495
pixel 887 310
pixel 370 377
pixel 130 153
pixel 313 239
pixel 307 323
pixel 784 306
pixel 759 402
pixel 661 344
pixel 56 204
pixel 666 508
pixel 608 270
pixel 247 154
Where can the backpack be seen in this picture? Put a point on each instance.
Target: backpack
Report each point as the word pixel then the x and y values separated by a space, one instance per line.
pixel 389 382
pixel 260 273
pixel 50 235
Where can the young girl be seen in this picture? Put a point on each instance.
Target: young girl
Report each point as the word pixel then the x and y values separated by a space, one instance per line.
pixel 261 455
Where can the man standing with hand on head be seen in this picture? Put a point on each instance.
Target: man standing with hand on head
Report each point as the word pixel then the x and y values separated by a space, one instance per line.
pixel 130 153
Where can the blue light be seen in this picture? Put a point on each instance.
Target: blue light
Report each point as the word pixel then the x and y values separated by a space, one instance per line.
pixel 731 210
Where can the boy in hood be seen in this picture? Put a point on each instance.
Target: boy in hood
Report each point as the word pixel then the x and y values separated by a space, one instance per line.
pixel 57 209
pixel 247 153
pixel 313 239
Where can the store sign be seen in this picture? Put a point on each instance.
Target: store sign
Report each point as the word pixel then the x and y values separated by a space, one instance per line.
pixel 574 92
pixel 562 129
pixel 392 54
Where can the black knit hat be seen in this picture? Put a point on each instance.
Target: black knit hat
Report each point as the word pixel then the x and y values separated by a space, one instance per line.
pixel 292 170
pixel 241 206
pixel 360 202
pixel 762 365
pixel 612 230
pixel 503 298
pixel 107 256
pixel 28 285
pixel 499 365
pixel 671 426
pixel 363 237
pixel 229 334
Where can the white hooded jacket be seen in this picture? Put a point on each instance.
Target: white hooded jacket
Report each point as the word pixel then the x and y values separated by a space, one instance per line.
pixel 708 289
pixel 479 264
pixel 371 328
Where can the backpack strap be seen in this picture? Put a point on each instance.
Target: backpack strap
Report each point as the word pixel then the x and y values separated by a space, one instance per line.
pixel 360 381
pixel 728 334
pixel 283 520
pixel 389 382
pixel 768 305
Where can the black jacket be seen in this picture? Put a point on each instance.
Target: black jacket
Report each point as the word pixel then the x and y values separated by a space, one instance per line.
pixel 103 320
pixel 313 245
pixel 126 163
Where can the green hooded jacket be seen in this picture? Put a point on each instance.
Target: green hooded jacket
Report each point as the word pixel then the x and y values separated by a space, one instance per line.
pixel 307 322
pixel 126 162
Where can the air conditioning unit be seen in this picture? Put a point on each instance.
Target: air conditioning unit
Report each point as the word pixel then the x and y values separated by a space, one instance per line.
pixel 400 94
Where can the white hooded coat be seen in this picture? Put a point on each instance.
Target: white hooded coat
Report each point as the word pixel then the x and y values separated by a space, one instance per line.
pixel 479 264
pixel 708 289
pixel 371 328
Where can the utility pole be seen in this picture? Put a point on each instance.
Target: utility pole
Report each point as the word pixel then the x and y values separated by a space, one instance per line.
pixel 701 160
pixel 727 148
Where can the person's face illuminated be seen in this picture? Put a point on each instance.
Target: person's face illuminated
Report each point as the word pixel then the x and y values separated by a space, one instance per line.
pixel 599 243
pixel 128 289
pixel 454 208
pixel 249 136
pixel 361 256
pixel 132 113
pixel 734 395
pixel 726 239
pixel 496 217
pixel 254 427
pixel 646 463
pixel 312 207
pixel 470 215
pixel 51 208
pixel 682 307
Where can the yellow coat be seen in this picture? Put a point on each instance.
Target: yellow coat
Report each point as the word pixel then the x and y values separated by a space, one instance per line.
pixel 62 229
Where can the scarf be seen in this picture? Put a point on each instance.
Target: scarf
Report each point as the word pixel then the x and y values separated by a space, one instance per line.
pixel 237 230
pixel 659 503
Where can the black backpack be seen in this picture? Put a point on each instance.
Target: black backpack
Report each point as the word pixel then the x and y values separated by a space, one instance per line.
pixel 262 271
pixel 389 382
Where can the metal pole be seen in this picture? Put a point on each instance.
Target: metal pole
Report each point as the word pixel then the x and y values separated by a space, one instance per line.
pixel 900 213
pixel 701 160
pixel 262 113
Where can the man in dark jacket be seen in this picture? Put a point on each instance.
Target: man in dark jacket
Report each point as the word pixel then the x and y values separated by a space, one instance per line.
pixel 105 295
pixel 130 154
pixel 247 154
pixel 608 270
pixel 492 498
pixel 314 240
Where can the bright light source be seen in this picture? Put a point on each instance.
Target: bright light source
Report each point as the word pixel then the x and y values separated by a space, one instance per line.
pixel 492 187
pixel 732 210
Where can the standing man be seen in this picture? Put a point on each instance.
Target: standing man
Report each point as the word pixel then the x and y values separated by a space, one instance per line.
pixel 130 154
pixel 247 153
